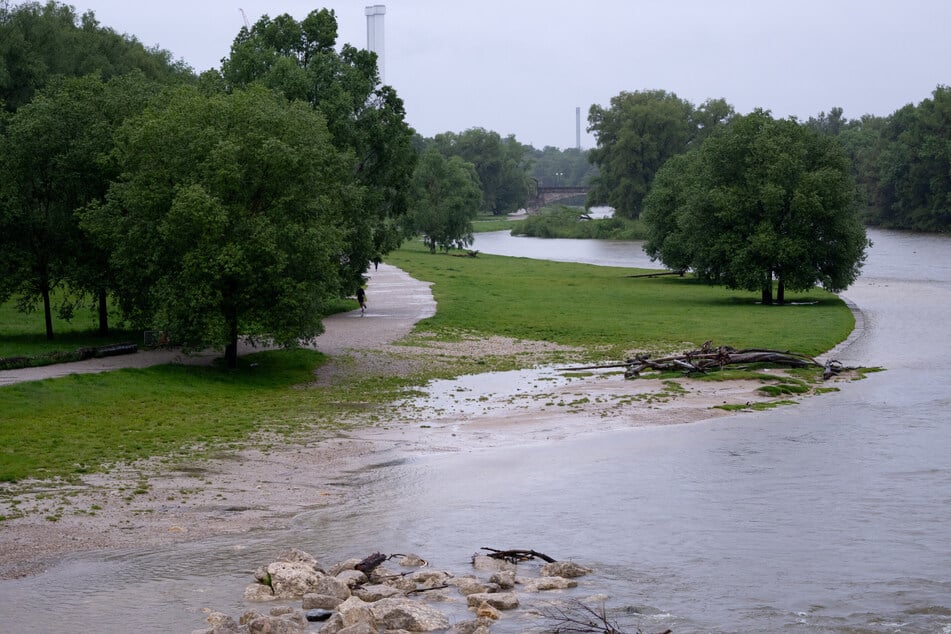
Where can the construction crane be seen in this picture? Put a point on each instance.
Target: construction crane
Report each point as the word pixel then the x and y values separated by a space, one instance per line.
pixel 245 18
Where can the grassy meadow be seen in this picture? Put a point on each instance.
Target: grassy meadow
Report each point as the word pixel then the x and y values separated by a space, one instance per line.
pixel 62 428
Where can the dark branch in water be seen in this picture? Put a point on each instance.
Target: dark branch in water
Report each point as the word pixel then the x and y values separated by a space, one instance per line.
pixel 709 358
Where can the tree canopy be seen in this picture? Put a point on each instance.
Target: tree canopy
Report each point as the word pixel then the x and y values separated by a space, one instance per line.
pixel 366 119
pixel 49 167
pixel 502 165
pixel 635 137
pixel 39 42
pixel 227 218
pixel 446 198
pixel 758 201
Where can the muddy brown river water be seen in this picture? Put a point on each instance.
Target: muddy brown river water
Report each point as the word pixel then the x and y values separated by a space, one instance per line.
pixel 830 516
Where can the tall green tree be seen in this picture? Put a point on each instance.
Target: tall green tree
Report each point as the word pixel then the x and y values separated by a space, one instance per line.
pixel 446 198
pixel 39 42
pixel 366 119
pixel 227 218
pixel 759 201
pixel 914 166
pixel 502 166
pixel 636 135
pixel 51 168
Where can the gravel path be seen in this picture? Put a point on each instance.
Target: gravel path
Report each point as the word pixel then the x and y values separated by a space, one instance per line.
pixel 395 302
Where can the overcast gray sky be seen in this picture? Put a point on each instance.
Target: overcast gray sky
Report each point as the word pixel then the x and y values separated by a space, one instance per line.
pixel 522 66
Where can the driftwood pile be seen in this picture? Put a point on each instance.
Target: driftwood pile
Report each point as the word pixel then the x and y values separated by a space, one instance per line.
pixel 710 358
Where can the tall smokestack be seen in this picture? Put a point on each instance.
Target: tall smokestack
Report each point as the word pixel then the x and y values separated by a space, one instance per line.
pixel 375 41
pixel 578 127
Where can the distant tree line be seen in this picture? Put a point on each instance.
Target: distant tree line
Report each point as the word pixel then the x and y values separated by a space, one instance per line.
pixel 901 163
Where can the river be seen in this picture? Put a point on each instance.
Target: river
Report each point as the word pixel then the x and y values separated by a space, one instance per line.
pixel 830 516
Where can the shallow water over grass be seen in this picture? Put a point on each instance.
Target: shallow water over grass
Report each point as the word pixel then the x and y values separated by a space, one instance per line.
pixel 830 516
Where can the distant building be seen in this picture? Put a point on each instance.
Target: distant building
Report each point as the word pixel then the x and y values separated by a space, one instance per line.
pixel 375 40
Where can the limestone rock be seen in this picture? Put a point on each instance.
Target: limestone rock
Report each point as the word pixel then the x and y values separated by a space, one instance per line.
pixel 352 578
pixel 476 626
pixel 314 601
pixel 540 584
pixel 566 569
pixel 292 580
pixel 355 610
pixel 377 592
pixel 348 564
pixel 505 579
pixel 297 556
pixel 359 628
pixel 404 614
pixel 332 586
pixel 430 578
pixel 487 612
pixel 221 624
pixel 284 624
pixel 333 626
pixel 498 600
pixel 258 592
pixel 471 585
pixel 383 575
pixel 491 564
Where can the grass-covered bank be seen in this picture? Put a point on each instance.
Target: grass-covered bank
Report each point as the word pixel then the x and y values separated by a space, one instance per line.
pixel 604 310
pixel 560 221
pixel 70 426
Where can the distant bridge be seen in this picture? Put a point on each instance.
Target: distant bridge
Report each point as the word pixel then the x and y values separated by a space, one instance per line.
pixel 547 195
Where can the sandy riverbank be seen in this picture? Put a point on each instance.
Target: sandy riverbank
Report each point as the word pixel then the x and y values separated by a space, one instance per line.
pixel 246 490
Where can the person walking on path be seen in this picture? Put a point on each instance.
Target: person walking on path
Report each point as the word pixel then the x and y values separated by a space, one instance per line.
pixel 362 299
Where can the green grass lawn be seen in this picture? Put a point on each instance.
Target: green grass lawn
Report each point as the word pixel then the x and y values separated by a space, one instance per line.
pixel 596 306
pixel 24 334
pixel 61 428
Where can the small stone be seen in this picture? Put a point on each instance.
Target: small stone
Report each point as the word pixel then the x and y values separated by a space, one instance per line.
pixel 318 614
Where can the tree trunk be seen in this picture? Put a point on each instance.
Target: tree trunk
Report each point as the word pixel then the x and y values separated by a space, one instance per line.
pixel 767 294
pixel 781 292
pixel 103 313
pixel 231 350
pixel 47 311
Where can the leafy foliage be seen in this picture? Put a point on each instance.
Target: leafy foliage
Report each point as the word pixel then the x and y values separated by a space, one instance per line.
pixel 915 165
pixel 560 221
pixel 51 164
pixel 762 199
pixel 39 42
pixel 446 198
pixel 901 163
pixel 365 119
pixel 226 218
pixel 501 165
pixel 636 135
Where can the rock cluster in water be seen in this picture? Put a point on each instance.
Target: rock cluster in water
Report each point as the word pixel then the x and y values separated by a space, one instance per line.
pixel 344 600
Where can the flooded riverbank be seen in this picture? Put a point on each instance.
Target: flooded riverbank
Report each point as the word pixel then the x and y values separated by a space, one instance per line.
pixel 828 516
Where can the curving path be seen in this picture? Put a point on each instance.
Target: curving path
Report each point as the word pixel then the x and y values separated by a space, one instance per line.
pixel 395 302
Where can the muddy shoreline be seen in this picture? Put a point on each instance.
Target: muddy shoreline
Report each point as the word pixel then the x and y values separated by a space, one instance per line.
pixel 165 501
pixel 254 489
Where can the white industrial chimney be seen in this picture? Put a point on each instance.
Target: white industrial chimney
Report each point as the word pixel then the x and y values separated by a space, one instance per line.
pixel 375 41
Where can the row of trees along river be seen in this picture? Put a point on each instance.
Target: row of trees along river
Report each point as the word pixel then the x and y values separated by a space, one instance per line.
pixel 249 199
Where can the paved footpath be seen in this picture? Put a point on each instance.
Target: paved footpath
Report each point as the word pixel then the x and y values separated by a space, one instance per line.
pixel 395 302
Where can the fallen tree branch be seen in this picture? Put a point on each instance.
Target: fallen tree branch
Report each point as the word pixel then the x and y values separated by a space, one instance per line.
pixel 515 556
pixel 709 358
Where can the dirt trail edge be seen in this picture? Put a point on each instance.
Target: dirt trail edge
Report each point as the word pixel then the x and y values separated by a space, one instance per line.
pixel 395 302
